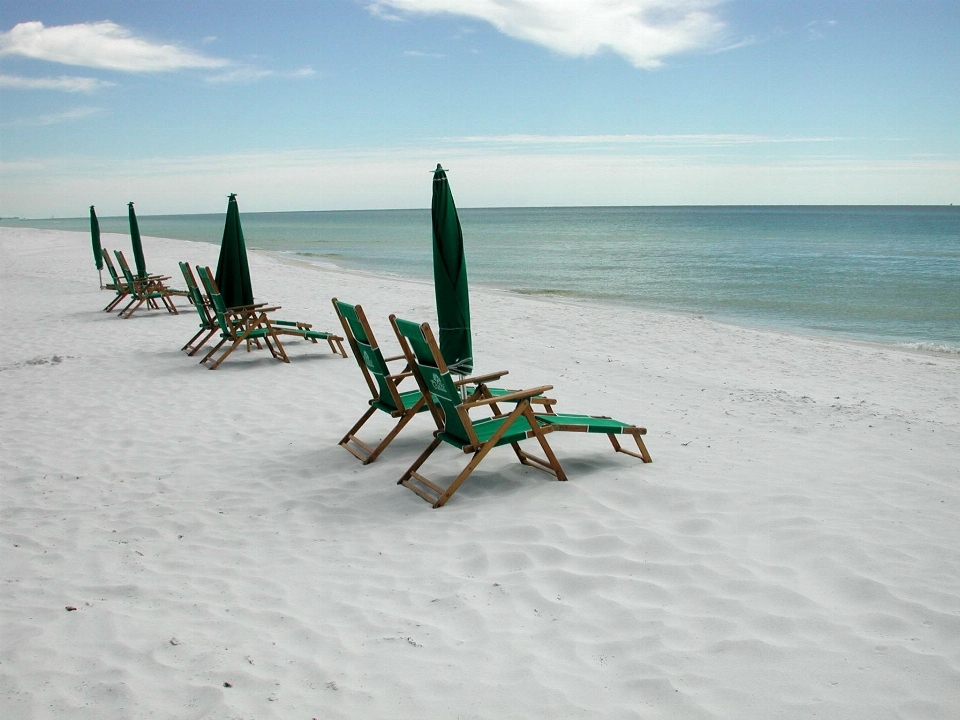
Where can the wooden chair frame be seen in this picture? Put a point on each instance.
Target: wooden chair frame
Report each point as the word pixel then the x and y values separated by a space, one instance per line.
pixel 208 319
pixel 244 324
pixel 449 432
pixel 144 290
pixel 119 286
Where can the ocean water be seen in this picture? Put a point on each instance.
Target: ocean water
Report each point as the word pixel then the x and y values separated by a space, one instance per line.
pixel 882 274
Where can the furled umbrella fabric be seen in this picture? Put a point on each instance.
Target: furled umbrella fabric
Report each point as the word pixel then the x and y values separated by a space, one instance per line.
pixel 137 245
pixel 450 279
pixel 233 272
pixel 95 238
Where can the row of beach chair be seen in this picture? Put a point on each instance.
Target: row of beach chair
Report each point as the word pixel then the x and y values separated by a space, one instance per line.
pixel 509 415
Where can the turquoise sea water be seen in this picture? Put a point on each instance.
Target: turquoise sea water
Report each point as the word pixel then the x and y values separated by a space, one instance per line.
pixel 887 274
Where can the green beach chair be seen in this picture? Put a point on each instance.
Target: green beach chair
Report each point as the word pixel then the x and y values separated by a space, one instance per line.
pixel 240 325
pixel 302 330
pixel 452 415
pixel 118 285
pixel 208 320
pixel 383 384
pixel 423 353
pixel 144 290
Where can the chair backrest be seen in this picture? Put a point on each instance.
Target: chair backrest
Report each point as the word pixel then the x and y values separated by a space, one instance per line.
pixel 423 353
pixel 368 354
pixel 119 286
pixel 131 284
pixel 195 295
pixel 216 300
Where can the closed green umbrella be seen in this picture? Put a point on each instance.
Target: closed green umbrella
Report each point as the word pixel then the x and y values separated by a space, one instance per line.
pixel 95 237
pixel 137 245
pixel 450 279
pixel 233 273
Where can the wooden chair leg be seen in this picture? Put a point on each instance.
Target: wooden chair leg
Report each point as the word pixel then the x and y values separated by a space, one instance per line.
pixel 643 454
pixel 412 473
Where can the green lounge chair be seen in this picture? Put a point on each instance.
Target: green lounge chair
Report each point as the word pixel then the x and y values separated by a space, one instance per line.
pixel 384 384
pixel 421 349
pixel 144 290
pixel 302 330
pixel 118 285
pixel 248 324
pixel 208 320
pixel 452 415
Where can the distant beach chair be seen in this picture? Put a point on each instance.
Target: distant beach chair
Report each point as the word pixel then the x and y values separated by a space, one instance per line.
pixel 144 290
pixel 452 415
pixel 208 320
pixel 384 384
pixel 299 329
pixel 118 285
pixel 247 324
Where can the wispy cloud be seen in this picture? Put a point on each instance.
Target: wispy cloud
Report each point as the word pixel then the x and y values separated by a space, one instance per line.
pixel 250 73
pixel 63 83
pixel 817 29
pixel 691 140
pixel 100 45
pixel 75 114
pixel 642 31
pixel 420 53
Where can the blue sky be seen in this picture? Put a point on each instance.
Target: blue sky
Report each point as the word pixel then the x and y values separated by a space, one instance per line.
pixel 344 104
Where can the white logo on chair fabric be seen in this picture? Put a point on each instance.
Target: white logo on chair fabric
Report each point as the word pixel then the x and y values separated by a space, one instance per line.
pixel 437 383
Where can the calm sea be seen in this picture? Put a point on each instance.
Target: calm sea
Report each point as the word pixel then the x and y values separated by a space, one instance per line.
pixel 887 274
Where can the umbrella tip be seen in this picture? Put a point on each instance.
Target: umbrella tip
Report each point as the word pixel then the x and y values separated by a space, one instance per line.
pixel 130 204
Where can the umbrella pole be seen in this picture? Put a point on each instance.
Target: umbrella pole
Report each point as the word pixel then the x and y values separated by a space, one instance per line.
pixel 100 273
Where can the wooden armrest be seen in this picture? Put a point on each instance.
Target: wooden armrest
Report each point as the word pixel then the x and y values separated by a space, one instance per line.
pixel 481 378
pixel 240 308
pixel 400 376
pixel 395 357
pixel 510 397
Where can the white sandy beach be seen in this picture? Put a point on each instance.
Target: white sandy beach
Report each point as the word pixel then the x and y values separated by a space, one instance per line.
pixel 792 552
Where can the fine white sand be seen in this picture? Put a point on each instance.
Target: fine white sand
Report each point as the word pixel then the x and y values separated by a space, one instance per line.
pixel 792 552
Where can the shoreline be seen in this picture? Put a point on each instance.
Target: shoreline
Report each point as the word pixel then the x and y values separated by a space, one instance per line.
pixel 574 300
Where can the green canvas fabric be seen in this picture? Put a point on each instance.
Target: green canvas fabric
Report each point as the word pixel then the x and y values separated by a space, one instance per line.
pixel 372 357
pixel 95 238
pixel 486 428
pixel 136 243
pixel 409 399
pixel 450 279
pixel 593 424
pixel 195 296
pixel 233 272
pixel 442 387
pixel 118 286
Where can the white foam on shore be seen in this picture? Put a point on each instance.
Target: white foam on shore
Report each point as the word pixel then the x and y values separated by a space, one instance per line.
pixel 792 552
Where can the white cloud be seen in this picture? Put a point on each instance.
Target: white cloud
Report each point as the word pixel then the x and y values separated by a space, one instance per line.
pixel 101 45
pixel 250 73
pixel 642 31
pixel 55 118
pixel 64 83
